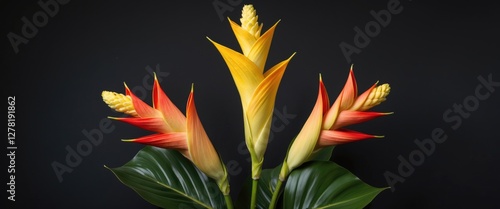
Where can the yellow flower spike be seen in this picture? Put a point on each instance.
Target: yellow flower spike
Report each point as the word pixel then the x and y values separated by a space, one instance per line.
pixel 119 102
pixel 253 46
pixel 377 96
pixel 257 87
pixel 249 20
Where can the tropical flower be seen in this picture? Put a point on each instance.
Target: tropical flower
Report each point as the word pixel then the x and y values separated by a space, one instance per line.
pixel 325 125
pixel 172 129
pixel 257 88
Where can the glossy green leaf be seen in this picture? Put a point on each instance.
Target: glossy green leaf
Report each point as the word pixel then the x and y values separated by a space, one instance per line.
pixel 266 186
pixel 167 179
pixel 322 185
pixel 323 155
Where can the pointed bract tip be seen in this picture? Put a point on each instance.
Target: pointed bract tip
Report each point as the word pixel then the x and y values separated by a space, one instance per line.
pixel 352 67
pixel 127 140
pixel 125 85
pixel 320 78
pixel 192 87
pixel 378 137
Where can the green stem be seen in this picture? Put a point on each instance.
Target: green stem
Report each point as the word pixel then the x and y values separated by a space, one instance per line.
pixel 276 194
pixel 253 200
pixel 229 201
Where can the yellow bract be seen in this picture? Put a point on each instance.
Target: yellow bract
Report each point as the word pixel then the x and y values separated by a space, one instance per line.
pixel 257 87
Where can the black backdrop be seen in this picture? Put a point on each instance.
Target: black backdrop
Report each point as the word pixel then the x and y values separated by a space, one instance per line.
pixel 440 58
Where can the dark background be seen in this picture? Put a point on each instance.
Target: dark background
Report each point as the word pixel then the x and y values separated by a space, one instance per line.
pixel 431 53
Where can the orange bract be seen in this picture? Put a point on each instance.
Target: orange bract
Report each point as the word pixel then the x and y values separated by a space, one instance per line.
pixel 175 131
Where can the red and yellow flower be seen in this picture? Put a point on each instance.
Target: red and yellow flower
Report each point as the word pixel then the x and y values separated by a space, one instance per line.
pixel 325 125
pixel 172 130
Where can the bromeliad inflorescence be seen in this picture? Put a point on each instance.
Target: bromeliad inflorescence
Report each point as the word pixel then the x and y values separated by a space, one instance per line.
pixel 257 88
pixel 172 129
pixel 325 125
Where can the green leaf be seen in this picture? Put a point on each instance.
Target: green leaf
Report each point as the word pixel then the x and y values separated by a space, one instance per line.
pixel 266 186
pixel 323 155
pixel 322 184
pixel 167 179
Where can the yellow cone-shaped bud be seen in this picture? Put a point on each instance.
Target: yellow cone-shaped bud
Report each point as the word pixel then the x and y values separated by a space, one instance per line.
pixel 119 102
pixel 249 21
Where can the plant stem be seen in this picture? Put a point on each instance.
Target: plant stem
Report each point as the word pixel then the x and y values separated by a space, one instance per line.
pixel 276 194
pixel 253 200
pixel 229 201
